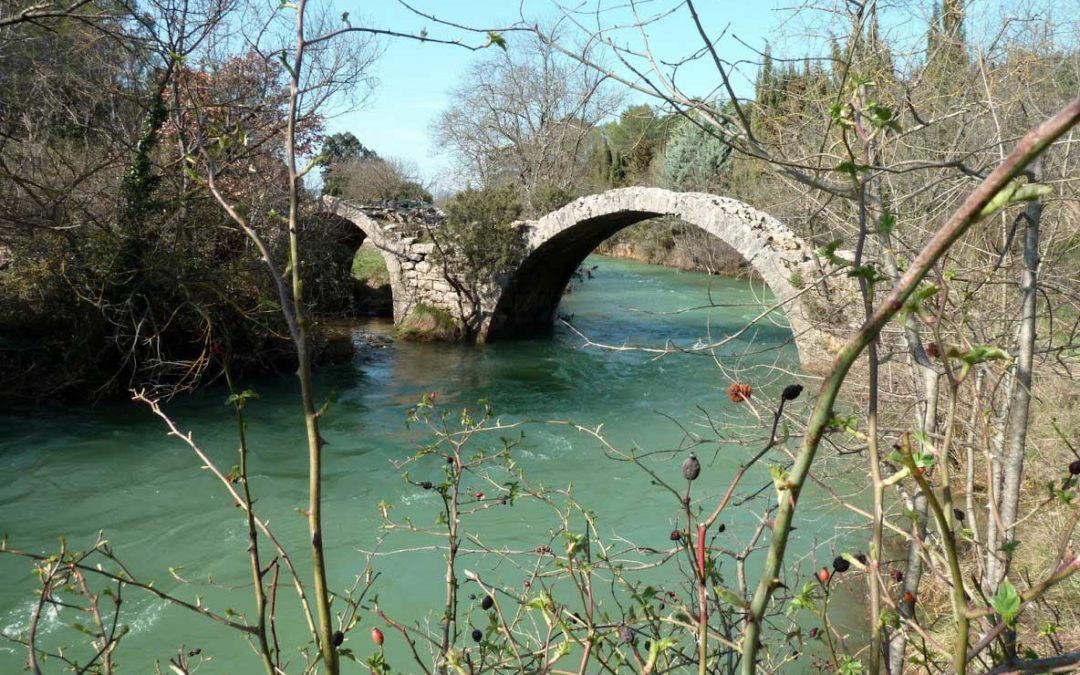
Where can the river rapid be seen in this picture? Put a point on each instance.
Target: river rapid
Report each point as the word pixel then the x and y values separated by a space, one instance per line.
pixel 72 472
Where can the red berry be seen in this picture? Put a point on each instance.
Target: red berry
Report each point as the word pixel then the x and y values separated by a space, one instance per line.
pixel 823 575
pixel 377 636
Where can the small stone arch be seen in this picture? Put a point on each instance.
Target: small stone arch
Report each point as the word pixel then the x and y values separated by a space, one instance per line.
pixel 364 228
pixel 560 241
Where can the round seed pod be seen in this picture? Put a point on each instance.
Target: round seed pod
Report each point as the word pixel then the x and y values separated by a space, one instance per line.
pixel 691 467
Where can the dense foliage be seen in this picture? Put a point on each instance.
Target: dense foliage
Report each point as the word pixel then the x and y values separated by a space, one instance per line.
pixel 122 272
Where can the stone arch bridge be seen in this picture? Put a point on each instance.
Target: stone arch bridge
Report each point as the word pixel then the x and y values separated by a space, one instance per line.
pixel 525 301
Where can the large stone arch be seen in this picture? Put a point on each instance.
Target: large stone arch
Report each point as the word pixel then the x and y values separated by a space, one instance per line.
pixel 560 241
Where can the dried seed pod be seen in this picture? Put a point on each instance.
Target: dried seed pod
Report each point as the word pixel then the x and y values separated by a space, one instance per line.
pixel 791 392
pixel 739 392
pixel 691 467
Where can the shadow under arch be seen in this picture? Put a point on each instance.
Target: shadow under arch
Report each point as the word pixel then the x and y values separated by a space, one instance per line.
pixel 560 241
pixel 353 227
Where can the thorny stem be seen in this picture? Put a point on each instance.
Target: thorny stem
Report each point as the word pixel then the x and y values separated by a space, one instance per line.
pixel 958 595
pixel 311 418
pixel 253 535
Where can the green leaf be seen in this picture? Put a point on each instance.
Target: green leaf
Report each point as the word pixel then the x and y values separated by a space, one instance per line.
pixel 886 222
pixel 852 169
pixel 850 666
pixel 915 302
pixel 868 272
pixel 240 399
pixel 1006 602
pixel 980 354
pixel 1013 193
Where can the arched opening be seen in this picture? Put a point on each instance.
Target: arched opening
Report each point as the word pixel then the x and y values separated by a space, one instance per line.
pixel 346 273
pixel 560 242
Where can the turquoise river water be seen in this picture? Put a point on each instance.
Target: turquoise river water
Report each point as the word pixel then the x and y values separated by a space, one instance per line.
pixel 72 472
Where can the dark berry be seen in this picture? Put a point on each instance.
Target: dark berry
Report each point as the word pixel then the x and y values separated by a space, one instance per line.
pixel 487 602
pixel 339 637
pixel 897 576
pixel 625 634
pixel 959 514
pixel 477 636
pixel 691 468
pixel 791 392
pixel 426 485
pixel 676 535
pixel 1074 468
pixel 721 527
pixel 861 557
pixel 841 564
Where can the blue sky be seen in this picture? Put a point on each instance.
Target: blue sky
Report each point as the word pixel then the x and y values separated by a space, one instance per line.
pixel 415 78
